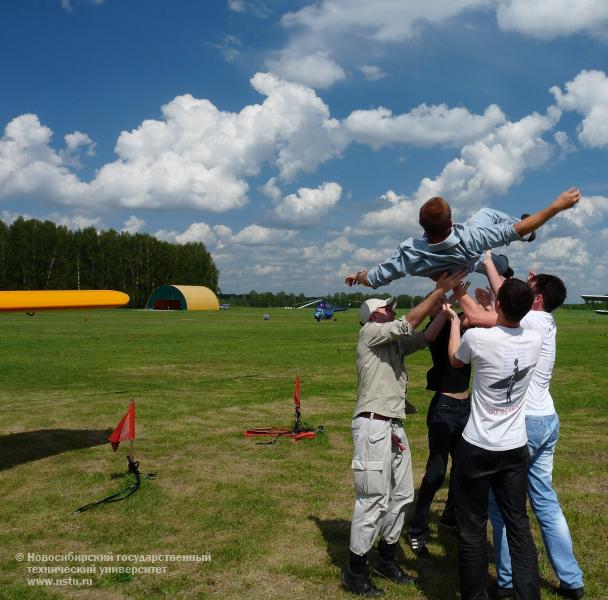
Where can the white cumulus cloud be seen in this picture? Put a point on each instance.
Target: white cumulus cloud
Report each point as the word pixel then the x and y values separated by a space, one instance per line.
pixel 495 163
pixel 372 72
pixel 133 225
pixel 587 94
pixel 75 222
pixel 258 8
pixel 401 215
pixel 271 189
pixel 381 20
pixel 547 19
pixel 29 166
pixel 257 235
pixel 317 70
pixel 197 232
pixel 308 206
pixel 559 252
pixel 423 126
pixel 197 156
pixel 327 36
pixel 588 212
pixel 78 140
pixel 166 235
pixel 266 269
pixel 488 166
pixel 237 5
pixel 328 32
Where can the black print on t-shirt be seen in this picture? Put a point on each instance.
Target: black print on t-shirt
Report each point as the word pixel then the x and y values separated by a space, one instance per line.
pixel 508 382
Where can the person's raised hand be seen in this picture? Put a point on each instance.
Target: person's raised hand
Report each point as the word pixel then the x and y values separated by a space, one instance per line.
pixel 447 281
pixel 567 199
pixel 485 297
pixel 360 277
pixel 448 311
pixel 460 289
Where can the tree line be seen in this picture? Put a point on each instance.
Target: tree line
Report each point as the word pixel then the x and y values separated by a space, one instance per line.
pixel 41 255
pixel 286 299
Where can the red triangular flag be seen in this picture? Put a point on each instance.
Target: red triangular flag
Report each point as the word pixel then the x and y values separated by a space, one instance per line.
pixel 125 430
pixel 296 392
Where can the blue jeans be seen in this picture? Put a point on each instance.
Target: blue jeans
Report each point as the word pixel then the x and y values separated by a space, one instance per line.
pixel 543 433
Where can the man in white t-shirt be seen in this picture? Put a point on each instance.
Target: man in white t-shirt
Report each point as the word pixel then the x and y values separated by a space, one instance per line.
pixel 493 454
pixel 542 428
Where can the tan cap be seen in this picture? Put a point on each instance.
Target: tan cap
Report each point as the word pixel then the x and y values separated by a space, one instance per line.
pixel 372 305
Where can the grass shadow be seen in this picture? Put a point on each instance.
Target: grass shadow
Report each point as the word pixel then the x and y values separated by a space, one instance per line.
pixel 27 446
pixel 336 533
pixel 437 575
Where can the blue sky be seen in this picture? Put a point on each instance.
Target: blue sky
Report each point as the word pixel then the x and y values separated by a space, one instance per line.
pixel 297 140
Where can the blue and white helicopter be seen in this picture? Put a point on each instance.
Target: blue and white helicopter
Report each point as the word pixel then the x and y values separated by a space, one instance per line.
pixel 324 310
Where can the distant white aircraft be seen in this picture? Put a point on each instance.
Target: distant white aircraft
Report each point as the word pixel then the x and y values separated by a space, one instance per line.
pixel 597 299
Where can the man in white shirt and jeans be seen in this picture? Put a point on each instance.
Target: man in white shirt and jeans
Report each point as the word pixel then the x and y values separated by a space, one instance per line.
pixel 493 454
pixel 542 426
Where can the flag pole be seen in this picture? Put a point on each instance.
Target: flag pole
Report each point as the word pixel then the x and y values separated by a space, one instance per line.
pixel 297 427
pixel 131 454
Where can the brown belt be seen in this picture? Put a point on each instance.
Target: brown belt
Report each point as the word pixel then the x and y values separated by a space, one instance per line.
pixel 369 415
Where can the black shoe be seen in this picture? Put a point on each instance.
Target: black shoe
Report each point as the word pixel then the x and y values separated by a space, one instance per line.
pixel 360 584
pixel 496 592
pixel 391 570
pixel 570 592
pixel 418 546
pixel 532 236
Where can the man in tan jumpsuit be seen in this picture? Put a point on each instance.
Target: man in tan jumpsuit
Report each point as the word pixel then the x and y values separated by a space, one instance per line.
pixel 382 461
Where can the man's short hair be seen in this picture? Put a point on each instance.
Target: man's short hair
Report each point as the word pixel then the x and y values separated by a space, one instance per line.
pixel 516 298
pixel 551 288
pixel 435 216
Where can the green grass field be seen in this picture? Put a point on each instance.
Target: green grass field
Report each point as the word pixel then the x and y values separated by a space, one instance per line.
pixel 274 518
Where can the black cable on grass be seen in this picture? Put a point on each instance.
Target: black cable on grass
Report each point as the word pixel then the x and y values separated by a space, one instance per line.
pixel 123 494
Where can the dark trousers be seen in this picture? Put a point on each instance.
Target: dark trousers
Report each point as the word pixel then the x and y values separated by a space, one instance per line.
pixel 446 419
pixel 506 474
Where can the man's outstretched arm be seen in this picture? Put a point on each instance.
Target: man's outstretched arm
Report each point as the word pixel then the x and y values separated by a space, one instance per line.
pixel 494 278
pixel 564 201
pixel 454 341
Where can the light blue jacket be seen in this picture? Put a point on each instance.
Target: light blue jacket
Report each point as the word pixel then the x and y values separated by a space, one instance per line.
pixel 462 249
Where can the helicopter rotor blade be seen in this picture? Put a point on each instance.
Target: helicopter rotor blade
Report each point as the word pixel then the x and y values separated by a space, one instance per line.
pixel 309 303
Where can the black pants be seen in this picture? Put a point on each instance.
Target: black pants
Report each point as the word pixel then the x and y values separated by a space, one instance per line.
pixel 506 473
pixel 446 419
